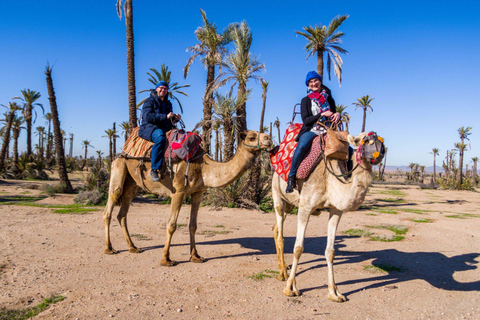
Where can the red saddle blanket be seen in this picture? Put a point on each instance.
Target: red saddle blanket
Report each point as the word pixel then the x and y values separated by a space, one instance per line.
pixel 282 159
pixel 140 148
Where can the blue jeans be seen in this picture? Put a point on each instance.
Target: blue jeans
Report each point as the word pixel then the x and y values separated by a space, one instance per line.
pixel 304 144
pixel 158 149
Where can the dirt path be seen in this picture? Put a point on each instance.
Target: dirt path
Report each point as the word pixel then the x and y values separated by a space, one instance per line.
pixel 432 273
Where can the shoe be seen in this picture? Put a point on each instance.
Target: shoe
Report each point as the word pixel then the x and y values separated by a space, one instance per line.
pixel 290 184
pixel 154 176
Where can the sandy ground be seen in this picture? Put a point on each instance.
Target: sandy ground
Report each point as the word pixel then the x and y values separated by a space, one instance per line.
pixel 45 253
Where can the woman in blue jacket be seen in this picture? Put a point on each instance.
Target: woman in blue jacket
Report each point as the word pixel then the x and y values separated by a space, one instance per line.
pixel 157 119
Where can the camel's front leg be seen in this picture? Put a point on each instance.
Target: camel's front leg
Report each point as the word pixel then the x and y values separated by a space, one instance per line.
pixel 302 221
pixel 129 192
pixel 196 199
pixel 333 293
pixel 280 241
pixel 177 201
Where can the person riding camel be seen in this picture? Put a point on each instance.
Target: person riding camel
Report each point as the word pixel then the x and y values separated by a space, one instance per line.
pixel 157 117
pixel 318 105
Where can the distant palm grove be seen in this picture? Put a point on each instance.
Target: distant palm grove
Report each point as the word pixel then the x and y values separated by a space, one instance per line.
pixel 229 64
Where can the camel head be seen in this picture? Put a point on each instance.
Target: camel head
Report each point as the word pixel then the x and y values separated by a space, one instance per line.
pixel 254 141
pixel 369 146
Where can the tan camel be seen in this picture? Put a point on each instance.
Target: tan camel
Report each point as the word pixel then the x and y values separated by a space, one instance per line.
pixel 322 190
pixel 127 175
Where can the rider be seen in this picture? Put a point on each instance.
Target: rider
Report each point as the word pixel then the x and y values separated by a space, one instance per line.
pixel 317 105
pixel 157 117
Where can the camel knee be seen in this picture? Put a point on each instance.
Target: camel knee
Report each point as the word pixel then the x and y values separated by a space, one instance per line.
pixel 330 254
pixel 171 228
pixel 297 252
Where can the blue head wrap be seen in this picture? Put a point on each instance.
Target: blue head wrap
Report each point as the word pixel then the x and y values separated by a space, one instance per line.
pixel 162 83
pixel 312 75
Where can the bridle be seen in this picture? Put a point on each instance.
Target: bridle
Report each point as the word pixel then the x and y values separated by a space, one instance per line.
pixel 255 147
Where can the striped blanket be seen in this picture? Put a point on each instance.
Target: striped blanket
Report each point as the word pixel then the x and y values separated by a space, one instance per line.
pixel 137 147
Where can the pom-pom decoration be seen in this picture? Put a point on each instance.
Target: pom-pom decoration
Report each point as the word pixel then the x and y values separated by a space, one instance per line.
pixel 380 139
pixel 376 154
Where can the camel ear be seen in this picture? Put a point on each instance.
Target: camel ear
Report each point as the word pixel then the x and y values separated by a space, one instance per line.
pixel 243 135
pixel 351 139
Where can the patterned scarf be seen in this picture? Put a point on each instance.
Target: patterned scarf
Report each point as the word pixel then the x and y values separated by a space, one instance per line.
pixel 320 99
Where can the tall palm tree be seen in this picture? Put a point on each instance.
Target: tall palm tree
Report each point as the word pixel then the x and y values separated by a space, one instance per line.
pixel 59 150
pixel 323 40
pixel 364 103
pixel 64 138
pixel 216 127
pixel 16 128
pixel 474 169
pixel 211 47
pixel 276 124
pixel 464 132
pixel 240 67
pixel 173 87
pixel 114 145
pixel 344 116
pixel 71 144
pixel 41 136
pixel 264 100
pixel 132 100
pixel 86 144
pixel 28 98
pixel 109 134
pixel 48 117
pixel 9 116
pixel 435 152
pixel 125 129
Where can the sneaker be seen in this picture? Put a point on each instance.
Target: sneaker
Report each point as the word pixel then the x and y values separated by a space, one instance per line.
pixel 154 176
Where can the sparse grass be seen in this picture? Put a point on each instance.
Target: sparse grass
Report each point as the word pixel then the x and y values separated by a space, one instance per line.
pixel 365 207
pixel 391 200
pixel 422 220
pixel 382 268
pixel 294 300
pixel 213 232
pixel 387 238
pixel 6 314
pixel 25 192
pixel 19 199
pixel 371 214
pixel 140 237
pixel 384 210
pixel 460 215
pixel 417 211
pixel 219 226
pixel 181 225
pixel 356 233
pixel 74 210
pixel 151 196
pixel 397 193
pixel 398 229
pixel 267 273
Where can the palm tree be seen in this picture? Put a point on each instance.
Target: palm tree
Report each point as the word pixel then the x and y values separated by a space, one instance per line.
pixel 71 144
pixel 62 167
pixel 16 128
pixel 48 117
pixel 276 124
pixel 41 135
pixel 132 100
pixel 125 129
pixel 216 127
pixel 344 116
pixel 264 100
pixel 64 138
pixel 474 169
pixel 114 145
pixel 326 40
pixel 110 133
pixel 364 103
pixel 9 116
pixel 28 98
pixel 464 133
pixel 211 47
pixel 241 67
pixel 86 144
pixel 173 87
pixel 435 152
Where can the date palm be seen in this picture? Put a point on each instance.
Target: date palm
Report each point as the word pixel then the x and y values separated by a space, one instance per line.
pixel 344 116
pixel 17 123
pixel 29 98
pixel 9 116
pixel 41 137
pixel 211 48
pixel 474 169
pixel 364 103
pixel 173 87
pixel 59 150
pixel 276 124
pixel 323 40
pixel 71 144
pixel 464 132
pixel 435 152
pixel 125 129
pixel 85 145
pixel 132 100
pixel 110 133
pixel 264 104
pixel 48 117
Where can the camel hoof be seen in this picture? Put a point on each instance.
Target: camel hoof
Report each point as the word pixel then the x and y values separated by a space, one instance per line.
pixel 110 251
pixel 291 293
pixel 336 297
pixel 167 263
pixel 135 250
pixel 197 259
pixel 282 276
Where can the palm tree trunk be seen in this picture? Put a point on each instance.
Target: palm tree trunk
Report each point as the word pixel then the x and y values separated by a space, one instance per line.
pixel 28 121
pixel 6 140
pixel 262 115
pixel 241 109
pixel 16 134
pixel 216 143
pixel 320 63
pixel 228 134
pixel 434 169
pixel 364 119
pixel 110 146
pixel 279 137
pixel 62 167
pixel 132 100
pixel 460 168
pixel 114 141
pixel 49 150
pixel 207 109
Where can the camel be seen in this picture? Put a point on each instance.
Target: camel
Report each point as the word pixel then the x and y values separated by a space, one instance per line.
pixel 129 174
pixel 322 190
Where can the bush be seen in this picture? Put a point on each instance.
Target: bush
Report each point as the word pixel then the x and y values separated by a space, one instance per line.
pixel 94 197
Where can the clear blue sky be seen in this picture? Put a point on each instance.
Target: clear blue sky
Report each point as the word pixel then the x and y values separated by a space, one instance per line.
pixel 418 59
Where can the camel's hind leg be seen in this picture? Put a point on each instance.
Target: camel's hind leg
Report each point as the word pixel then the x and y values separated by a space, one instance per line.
pixel 280 210
pixel 129 193
pixel 117 179
pixel 177 200
pixel 196 199
pixel 333 221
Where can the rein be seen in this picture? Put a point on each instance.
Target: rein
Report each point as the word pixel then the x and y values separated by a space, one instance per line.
pixel 338 176
pixel 256 147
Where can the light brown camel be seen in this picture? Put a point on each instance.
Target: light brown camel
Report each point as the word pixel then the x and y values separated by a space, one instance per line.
pixel 127 175
pixel 322 190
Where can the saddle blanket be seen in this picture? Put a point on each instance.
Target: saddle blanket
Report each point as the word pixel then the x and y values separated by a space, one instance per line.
pixel 137 147
pixel 282 159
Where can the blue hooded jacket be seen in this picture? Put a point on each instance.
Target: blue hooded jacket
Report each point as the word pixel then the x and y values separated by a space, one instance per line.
pixel 154 116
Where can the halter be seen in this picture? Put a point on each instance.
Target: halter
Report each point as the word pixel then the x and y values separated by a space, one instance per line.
pixel 255 147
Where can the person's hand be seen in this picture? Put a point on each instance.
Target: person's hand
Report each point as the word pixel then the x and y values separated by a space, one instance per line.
pixel 178 117
pixel 335 117
pixel 171 114
pixel 327 114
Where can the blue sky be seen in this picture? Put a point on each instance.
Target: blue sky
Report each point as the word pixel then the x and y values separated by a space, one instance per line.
pixel 419 60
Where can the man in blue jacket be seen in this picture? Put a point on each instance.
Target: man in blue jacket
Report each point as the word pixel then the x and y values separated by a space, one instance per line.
pixel 157 117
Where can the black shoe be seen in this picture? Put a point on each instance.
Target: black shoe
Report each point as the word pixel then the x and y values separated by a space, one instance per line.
pixel 154 176
pixel 290 184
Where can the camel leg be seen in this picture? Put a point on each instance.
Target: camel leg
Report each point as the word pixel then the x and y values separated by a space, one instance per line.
pixel 177 201
pixel 196 199
pixel 334 219
pixel 129 192
pixel 302 222
pixel 279 239
pixel 115 190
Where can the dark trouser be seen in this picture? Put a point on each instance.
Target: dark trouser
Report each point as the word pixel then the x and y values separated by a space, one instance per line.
pixel 158 149
pixel 304 144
